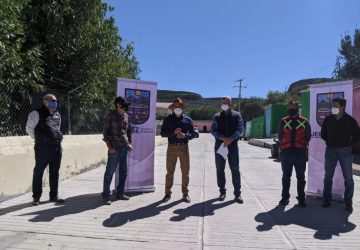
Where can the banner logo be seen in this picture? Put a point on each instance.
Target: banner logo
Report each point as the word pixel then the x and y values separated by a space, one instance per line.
pixel 323 105
pixel 139 110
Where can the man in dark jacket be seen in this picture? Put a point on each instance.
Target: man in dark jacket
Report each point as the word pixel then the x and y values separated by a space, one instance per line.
pixel 179 129
pixel 340 131
pixel 294 133
pixel 227 127
pixel 43 125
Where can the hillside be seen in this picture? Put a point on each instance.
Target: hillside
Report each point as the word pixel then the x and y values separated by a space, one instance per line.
pixel 300 85
pixel 169 96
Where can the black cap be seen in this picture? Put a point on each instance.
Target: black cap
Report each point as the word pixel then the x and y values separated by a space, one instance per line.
pixel 121 100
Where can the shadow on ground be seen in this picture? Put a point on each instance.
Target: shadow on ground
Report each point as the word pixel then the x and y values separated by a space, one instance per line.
pixel 72 205
pixel 326 222
pixel 15 208
pixel 154 209
pixel 202 209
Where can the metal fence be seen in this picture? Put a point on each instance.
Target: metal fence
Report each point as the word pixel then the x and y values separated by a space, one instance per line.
pixel 15 106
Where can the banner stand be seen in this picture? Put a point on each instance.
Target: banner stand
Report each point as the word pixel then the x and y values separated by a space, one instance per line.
pixel 142 116
pixel 321 96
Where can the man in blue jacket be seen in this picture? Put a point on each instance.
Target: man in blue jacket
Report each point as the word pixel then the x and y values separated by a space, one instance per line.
pixel 179 129
pixel 227 127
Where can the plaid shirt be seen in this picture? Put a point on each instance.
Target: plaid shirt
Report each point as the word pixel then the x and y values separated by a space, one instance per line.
pixel 117 129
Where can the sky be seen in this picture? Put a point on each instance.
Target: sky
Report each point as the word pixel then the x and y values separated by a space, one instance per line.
pixel 204 46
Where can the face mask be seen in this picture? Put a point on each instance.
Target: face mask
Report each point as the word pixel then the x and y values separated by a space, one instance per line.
pixel 224 107
pixel 335 110
pixel 178 111
pixel 52 105
pixel 293 112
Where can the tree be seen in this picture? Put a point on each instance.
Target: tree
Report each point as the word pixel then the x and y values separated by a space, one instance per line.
pixel 80 47
pixel 20 67
pixel 348 62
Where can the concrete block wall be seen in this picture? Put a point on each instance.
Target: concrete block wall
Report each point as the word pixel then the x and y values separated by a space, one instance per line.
pixel 80 153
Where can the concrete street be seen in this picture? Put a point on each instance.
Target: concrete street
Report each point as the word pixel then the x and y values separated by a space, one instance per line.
pixel 146 223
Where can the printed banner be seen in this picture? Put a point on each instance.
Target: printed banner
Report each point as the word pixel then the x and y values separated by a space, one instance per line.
pixel 142 115
pixel 321 96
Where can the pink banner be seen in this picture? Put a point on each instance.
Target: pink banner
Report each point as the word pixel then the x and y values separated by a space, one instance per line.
pixel 321 96
pixel 142 115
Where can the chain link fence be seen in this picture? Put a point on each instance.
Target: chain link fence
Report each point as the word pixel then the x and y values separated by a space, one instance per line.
pixel 15 106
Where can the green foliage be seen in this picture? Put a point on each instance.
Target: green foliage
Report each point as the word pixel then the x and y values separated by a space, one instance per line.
pixel 65 45
pixel 348 62
pixel 20 67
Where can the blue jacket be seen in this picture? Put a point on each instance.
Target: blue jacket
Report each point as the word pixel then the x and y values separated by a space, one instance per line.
pixel 171 122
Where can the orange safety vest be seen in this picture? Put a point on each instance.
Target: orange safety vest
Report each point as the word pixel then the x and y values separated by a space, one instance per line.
pixel 300 139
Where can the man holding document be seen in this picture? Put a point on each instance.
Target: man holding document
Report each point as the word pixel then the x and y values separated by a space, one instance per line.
pixel 179 129
pixel 227 127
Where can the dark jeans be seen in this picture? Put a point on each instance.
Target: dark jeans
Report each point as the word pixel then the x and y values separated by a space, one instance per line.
pixel 119 158
pixel 220 162
pixel 296 158
pixel 46 154
pixel 344 156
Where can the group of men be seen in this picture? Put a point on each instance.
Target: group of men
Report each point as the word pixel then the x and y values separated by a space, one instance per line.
pixel 340 131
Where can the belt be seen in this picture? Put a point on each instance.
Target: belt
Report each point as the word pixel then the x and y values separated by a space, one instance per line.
pixel 179 143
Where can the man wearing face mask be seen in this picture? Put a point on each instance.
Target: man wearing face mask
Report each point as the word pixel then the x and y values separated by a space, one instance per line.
pixel 340 131
pixel 43 125
pixel 227 127
pixel 294 133
pixel 117 135
pixel 179 129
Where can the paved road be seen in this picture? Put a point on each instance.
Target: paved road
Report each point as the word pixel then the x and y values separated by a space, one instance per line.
pixel 146 223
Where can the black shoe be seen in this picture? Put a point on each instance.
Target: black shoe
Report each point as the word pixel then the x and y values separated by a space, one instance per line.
pixel 35 202
pixel 301 203
pixel 326 204
pixel 239 199
pixel 349 208
pixel 186 198
pixel 284 202
pixel 222 197
pixel 166 198
pixel 56 200
pixel 122 197
pixel 106 201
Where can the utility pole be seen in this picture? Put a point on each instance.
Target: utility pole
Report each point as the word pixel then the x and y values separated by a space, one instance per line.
pixel 240 86
pixel 68 107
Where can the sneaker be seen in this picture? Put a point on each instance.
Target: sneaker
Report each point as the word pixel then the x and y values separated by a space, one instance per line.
pixel 222 197
pixel 284 202
pixel 56 200
pixel 326 204
pixel 35 202
pixel 239 199
pixel 166 198
pixel 122 197
pixel 349 208
pixel 186 198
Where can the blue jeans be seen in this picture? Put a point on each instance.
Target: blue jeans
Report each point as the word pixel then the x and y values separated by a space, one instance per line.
pixel 293 158
pixel 220 162
pixel 344 156
pixel 119 158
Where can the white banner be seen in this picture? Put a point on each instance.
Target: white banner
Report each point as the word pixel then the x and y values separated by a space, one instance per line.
pixel 142 115
pixel 321 96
